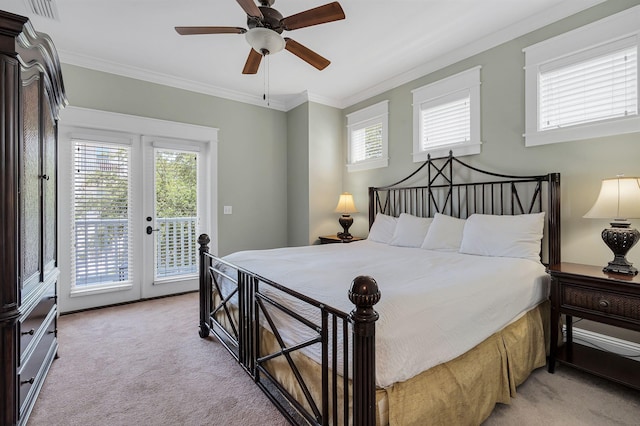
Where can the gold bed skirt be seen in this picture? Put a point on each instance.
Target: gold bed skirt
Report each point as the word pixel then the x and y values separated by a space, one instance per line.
pixel 462 391
pixel 465 390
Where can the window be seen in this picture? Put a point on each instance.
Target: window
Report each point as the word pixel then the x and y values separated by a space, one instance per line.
pixel 584 84
pixel 368 137
pixel 446 116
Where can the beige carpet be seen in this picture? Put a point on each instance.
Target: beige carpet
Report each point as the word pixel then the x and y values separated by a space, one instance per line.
pixel 144 364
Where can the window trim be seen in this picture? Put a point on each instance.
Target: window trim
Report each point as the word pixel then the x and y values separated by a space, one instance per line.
pixel 607 31
pixel 377 113
pixel 465 81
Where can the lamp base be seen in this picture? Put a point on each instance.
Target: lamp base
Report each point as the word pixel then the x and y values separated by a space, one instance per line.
pixel 620 238
pixel 345 221
pixel 620 266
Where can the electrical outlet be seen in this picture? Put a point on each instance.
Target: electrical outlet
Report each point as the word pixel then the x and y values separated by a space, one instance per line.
pixel 228 209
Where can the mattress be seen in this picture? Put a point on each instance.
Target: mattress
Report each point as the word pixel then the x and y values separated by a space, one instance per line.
pixel 435 305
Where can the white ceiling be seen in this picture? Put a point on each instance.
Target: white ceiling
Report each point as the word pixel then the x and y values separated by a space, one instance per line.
pixel 379 45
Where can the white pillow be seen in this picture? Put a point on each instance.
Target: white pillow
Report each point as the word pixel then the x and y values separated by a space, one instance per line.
pixel 410 230
pixel 504 236
pixel 445 233
pixel 382 228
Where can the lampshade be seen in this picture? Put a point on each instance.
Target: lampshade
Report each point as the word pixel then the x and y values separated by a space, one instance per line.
pixel 264 40
pixel 345 204
pixel 619 198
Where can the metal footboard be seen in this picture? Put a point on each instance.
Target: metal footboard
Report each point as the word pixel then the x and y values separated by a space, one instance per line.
pixel 238 306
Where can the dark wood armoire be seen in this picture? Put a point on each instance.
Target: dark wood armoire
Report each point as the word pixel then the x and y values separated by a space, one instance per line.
pixel 32 95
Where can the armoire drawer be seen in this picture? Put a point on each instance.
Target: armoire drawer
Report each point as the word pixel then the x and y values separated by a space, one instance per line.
pixel 34 369
pixel 34 321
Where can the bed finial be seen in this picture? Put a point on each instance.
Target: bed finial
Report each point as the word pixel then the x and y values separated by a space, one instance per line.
pixel 204 241
pixel 364 293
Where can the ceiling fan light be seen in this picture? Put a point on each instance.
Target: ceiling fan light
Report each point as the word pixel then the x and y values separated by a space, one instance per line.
pixel 263 39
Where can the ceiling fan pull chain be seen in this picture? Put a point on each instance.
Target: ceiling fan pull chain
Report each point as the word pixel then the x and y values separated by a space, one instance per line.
pixel 265 88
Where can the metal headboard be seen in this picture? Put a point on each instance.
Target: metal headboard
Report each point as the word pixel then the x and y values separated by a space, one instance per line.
pixel 458 189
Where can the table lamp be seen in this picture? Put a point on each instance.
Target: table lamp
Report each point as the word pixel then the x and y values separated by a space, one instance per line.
pixel 345 206
pixel 619 199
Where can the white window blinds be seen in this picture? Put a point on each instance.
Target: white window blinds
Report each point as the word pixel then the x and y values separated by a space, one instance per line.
pixel 446 122
pixel 366 143
pixel 368 137
pixel 446 116
pixel 594 89
pixel 583 84
pixel 103 249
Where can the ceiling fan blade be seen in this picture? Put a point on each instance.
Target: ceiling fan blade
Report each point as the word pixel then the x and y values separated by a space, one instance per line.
pixel 209 30
pixel 250 8
pixel 318 15
pixel 306 54
pixel 253 63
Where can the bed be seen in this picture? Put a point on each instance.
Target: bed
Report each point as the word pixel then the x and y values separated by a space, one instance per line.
pixel 437 316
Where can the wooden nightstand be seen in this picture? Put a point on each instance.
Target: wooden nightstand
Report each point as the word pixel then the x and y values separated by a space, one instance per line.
pixel 586 292
pixel 332 239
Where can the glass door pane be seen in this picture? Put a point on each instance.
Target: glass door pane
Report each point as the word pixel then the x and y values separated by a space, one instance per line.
pixel 176 207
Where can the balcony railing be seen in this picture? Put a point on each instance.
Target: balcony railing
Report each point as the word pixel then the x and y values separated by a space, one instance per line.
pixel 102 249
pixel 176 250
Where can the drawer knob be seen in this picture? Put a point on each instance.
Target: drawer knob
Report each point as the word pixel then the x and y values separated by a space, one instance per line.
pixel 604 303
pixel 28 332
pixel 30 381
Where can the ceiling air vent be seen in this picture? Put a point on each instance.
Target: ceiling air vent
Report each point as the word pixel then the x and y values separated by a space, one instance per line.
pixel 44 8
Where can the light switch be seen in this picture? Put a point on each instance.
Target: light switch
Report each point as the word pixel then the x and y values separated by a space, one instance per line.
pixel 228 210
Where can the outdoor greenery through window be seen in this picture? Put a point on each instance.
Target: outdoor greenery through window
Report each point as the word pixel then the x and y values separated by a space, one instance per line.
pixel 176 212
pixel 101 214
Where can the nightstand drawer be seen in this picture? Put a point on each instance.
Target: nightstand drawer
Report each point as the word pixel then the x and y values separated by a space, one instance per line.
pixel 599 302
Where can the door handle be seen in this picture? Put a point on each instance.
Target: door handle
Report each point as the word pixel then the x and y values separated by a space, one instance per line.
pixel 150 230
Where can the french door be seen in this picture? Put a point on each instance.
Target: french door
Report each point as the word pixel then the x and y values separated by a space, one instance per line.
pixel 131 209
pixel 174 183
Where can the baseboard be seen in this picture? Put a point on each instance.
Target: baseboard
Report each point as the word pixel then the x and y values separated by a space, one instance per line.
pixel 621 347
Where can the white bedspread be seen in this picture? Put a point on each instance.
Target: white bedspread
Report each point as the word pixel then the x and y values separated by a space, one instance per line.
pixel 434 307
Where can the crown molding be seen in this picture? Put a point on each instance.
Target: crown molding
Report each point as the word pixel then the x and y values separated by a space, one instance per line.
pixel 495 39
pixel 288 102
pixel 306 96
pixel 111 67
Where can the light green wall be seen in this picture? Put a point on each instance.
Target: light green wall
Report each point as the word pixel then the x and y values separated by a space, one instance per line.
pixel 298 175
pixel 315 165
pixel 582 163
pixel 269 159
pixel 325 170
pixel 252 149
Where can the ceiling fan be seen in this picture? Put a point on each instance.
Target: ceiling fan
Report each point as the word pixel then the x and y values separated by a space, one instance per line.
pixel 266 26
